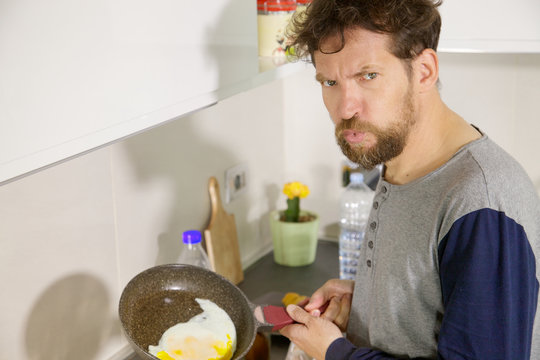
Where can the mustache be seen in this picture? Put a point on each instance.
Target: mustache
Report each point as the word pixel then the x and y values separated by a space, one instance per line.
pixel 357 124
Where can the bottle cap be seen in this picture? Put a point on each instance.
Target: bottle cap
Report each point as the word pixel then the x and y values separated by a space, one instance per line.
pixel 357 177
pixel 192 237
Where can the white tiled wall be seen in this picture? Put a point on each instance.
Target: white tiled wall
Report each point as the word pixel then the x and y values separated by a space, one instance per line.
pixel 58 262
pixel 73 235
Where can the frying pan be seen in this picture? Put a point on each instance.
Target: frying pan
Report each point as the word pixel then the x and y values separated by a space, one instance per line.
pixel 162 296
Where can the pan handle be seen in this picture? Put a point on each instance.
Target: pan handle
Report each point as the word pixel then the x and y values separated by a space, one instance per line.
pixel 270 318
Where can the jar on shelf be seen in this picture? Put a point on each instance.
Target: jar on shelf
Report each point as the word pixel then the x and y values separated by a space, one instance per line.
pixel 273 18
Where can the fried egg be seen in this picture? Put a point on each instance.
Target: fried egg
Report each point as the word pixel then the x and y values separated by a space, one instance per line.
pixel 210 335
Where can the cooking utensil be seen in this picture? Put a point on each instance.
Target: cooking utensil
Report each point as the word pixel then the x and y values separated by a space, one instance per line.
pixel 221 238
pixel 162 296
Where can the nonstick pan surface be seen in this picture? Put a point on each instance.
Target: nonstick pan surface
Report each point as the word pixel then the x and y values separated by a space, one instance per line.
pixel 163 296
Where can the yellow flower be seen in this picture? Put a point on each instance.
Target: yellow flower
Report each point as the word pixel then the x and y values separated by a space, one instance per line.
pixel 296 189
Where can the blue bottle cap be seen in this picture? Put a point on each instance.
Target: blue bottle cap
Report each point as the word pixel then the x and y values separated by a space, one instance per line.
pixel 357 177
pixel 192 237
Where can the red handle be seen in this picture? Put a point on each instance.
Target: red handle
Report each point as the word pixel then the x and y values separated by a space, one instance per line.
pixel 277 316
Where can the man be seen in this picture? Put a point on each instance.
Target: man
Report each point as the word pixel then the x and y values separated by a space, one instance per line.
pixel 448 268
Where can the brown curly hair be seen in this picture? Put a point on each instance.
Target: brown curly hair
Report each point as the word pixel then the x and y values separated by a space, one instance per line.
pixel 413 25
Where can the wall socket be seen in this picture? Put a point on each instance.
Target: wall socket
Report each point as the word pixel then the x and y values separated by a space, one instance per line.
pixel 235 181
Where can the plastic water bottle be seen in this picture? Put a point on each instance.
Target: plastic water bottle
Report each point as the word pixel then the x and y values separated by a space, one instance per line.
pixel 356 202
pixel 192 251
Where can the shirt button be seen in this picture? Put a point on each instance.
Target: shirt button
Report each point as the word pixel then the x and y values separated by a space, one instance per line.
pixel 376 205
pixel 373 225
pixel 384 189
pixel 369 263
pixel 370 244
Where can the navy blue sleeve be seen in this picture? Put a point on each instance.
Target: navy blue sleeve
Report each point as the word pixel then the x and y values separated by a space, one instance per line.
pixel 341 349
pixel 489 289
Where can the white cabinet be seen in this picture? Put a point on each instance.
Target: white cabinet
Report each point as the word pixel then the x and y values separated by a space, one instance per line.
pixel 490 26
pixel 76 75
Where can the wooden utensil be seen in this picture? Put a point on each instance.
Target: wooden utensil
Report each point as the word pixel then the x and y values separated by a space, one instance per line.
pixel 221 238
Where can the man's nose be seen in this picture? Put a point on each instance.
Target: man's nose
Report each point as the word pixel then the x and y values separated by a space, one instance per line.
pixel 349 104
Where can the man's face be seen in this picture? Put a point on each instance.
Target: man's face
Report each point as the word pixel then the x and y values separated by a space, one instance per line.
pixel 369 96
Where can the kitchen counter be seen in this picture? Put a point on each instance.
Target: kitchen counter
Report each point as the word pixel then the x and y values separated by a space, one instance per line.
pixel 265 282
pixel 265 276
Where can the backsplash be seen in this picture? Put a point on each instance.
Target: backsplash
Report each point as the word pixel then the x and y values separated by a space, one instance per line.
pixel 74 234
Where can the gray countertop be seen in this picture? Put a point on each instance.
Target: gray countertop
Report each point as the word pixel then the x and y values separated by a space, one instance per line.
pixel 265 276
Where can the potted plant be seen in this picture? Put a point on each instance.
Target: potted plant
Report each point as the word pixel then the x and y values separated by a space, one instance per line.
pixel 294 231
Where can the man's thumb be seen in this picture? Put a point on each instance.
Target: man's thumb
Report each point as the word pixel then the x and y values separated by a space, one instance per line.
pixel 298 314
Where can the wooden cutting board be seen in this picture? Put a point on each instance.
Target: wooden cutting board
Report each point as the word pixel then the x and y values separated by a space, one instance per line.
pixel 221 238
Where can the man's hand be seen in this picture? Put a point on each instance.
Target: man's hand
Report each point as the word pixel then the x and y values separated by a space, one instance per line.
pixel 332 302
pixel 312 334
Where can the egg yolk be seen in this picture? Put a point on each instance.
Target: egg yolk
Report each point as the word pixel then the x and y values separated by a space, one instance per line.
pixel 163 355
pixel 191 348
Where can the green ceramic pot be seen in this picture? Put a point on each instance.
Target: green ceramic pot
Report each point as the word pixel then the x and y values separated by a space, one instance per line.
pixel 295 244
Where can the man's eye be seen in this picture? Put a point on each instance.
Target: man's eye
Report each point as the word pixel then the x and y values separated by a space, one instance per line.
pixel 370 76
pixel 329 83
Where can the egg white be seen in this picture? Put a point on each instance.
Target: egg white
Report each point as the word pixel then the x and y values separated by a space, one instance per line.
pixel 211 335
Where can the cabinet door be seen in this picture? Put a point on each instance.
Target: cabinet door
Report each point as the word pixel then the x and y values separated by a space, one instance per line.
pixel 78 74
pixel 497 26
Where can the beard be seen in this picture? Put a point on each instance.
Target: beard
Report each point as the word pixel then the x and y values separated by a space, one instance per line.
pixel 390 142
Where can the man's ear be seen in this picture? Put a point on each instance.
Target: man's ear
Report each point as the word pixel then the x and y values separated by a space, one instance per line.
pixel 427 69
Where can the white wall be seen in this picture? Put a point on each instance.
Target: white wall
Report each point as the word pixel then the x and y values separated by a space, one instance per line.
pixel 500 94
pixel 74 234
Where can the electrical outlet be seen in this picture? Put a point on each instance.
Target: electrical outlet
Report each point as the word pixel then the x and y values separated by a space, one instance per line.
pixel 235 182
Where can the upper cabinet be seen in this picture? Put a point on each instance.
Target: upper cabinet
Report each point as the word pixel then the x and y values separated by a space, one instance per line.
pixel 490 26
pixel 78 74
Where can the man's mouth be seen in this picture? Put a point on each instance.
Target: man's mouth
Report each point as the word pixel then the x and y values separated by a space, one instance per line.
pixel 353 136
